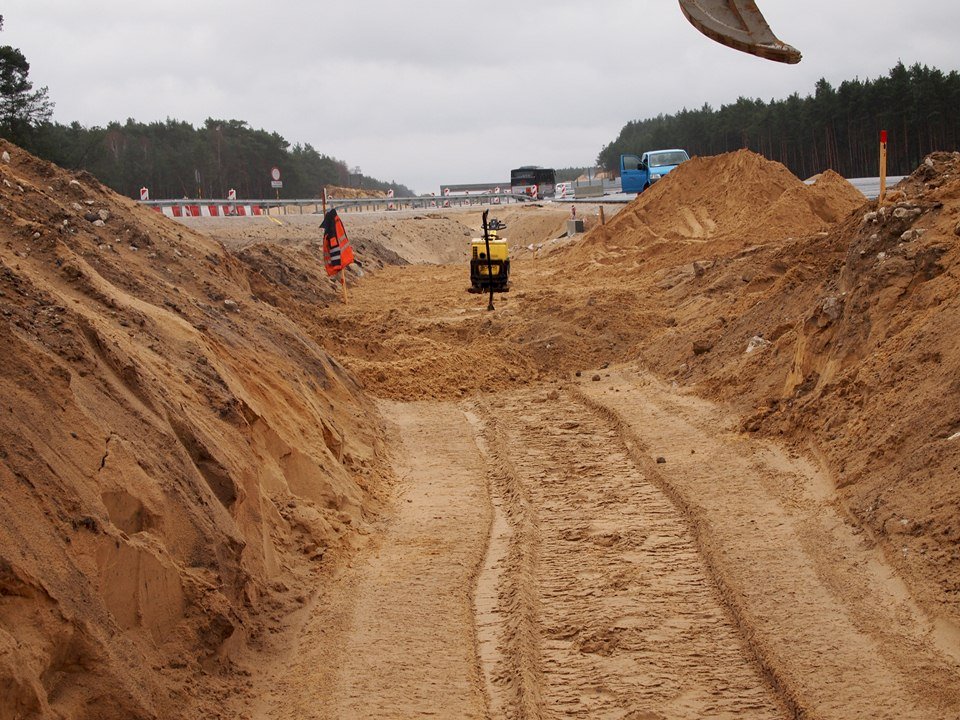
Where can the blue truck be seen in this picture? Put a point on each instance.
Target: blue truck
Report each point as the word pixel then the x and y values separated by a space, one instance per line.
pixel 638 172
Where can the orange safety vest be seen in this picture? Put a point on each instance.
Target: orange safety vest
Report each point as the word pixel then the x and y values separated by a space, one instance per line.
pixel 337 253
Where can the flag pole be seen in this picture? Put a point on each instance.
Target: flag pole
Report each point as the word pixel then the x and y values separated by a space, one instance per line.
pixel 343 281
pixel 883 165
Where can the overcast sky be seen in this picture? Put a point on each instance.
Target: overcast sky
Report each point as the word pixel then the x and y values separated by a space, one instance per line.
pixel 427 93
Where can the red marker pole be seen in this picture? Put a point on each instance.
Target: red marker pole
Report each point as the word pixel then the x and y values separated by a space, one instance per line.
pixel 883 165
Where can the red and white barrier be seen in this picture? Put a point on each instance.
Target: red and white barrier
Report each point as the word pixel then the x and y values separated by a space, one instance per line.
pixel 496 200
pixel 194 210
pixel 390 205
pixel 144 194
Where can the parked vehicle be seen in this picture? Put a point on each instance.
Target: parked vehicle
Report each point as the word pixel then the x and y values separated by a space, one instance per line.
pixel 531 181
pixel 638 172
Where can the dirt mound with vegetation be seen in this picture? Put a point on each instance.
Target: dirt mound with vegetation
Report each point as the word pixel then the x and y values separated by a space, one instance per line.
pixel 177 457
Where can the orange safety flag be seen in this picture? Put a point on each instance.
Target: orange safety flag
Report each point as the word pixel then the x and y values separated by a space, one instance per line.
pixel 337 253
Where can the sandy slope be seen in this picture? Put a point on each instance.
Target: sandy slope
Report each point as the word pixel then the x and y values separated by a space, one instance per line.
pixel 804 595
pixel 177 455
pixel 191 449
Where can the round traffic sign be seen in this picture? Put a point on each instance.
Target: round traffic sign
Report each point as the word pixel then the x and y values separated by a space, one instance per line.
pixel 275 173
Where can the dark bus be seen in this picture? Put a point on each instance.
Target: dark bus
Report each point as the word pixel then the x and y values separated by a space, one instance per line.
pixel 533 181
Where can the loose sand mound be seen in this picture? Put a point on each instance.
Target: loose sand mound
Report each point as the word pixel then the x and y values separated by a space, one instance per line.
pixel 828 329
pixel 176 456
pixel 842 337
pixel 337 191
pixel 168 456
pixel 739 196
pixel 380 238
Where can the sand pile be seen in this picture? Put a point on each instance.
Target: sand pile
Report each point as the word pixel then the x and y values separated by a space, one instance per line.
pixel 176 455
pixel 829 321
pixel 348 193
pixel 803 207
pixel 378 238
pixel 740 196
pixel 874 375
pixel 822 323
pixel 842 338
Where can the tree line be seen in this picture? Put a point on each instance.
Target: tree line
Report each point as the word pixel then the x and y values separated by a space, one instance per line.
pixel 174 159
pixel 836 128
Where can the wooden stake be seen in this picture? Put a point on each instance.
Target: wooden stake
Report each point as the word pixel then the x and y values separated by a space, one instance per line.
pixel 602 220
pixel 343 281
pixel 883 165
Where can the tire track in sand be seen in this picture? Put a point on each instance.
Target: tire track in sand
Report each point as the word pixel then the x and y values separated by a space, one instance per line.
pixel 824 614
pixel 607 609
pixel 412 645
pixel 393 635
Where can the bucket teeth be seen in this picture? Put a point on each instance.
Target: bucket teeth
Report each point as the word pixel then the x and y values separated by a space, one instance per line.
pixel 738 24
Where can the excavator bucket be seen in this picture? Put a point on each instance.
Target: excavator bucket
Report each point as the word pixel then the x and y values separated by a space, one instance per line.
pixel 738 24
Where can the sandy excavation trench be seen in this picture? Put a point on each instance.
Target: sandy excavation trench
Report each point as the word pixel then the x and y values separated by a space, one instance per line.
pixel 280 506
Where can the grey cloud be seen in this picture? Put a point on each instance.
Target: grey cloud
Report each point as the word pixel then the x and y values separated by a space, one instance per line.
pixel 441 92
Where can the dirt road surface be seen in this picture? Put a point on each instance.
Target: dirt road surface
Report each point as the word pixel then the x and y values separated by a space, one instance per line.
pixel 610 549
pixel 701 462
pixel 608 545
pixel 394 636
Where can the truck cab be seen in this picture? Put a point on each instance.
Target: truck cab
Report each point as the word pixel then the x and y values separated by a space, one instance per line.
pixel 638 172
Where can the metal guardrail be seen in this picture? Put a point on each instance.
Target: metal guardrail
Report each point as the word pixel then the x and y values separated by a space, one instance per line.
pixel 429 202
pixel 869 186
pixel 315 205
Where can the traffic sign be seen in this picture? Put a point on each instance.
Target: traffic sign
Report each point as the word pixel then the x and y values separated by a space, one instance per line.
pixel 275 173
pixel 276 184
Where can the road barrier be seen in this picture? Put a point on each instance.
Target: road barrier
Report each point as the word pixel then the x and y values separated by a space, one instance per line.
pixel 588 189
pixel 591 192
pixel 188 207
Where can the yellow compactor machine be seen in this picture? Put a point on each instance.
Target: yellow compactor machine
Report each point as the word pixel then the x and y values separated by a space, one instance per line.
pixel 491 273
